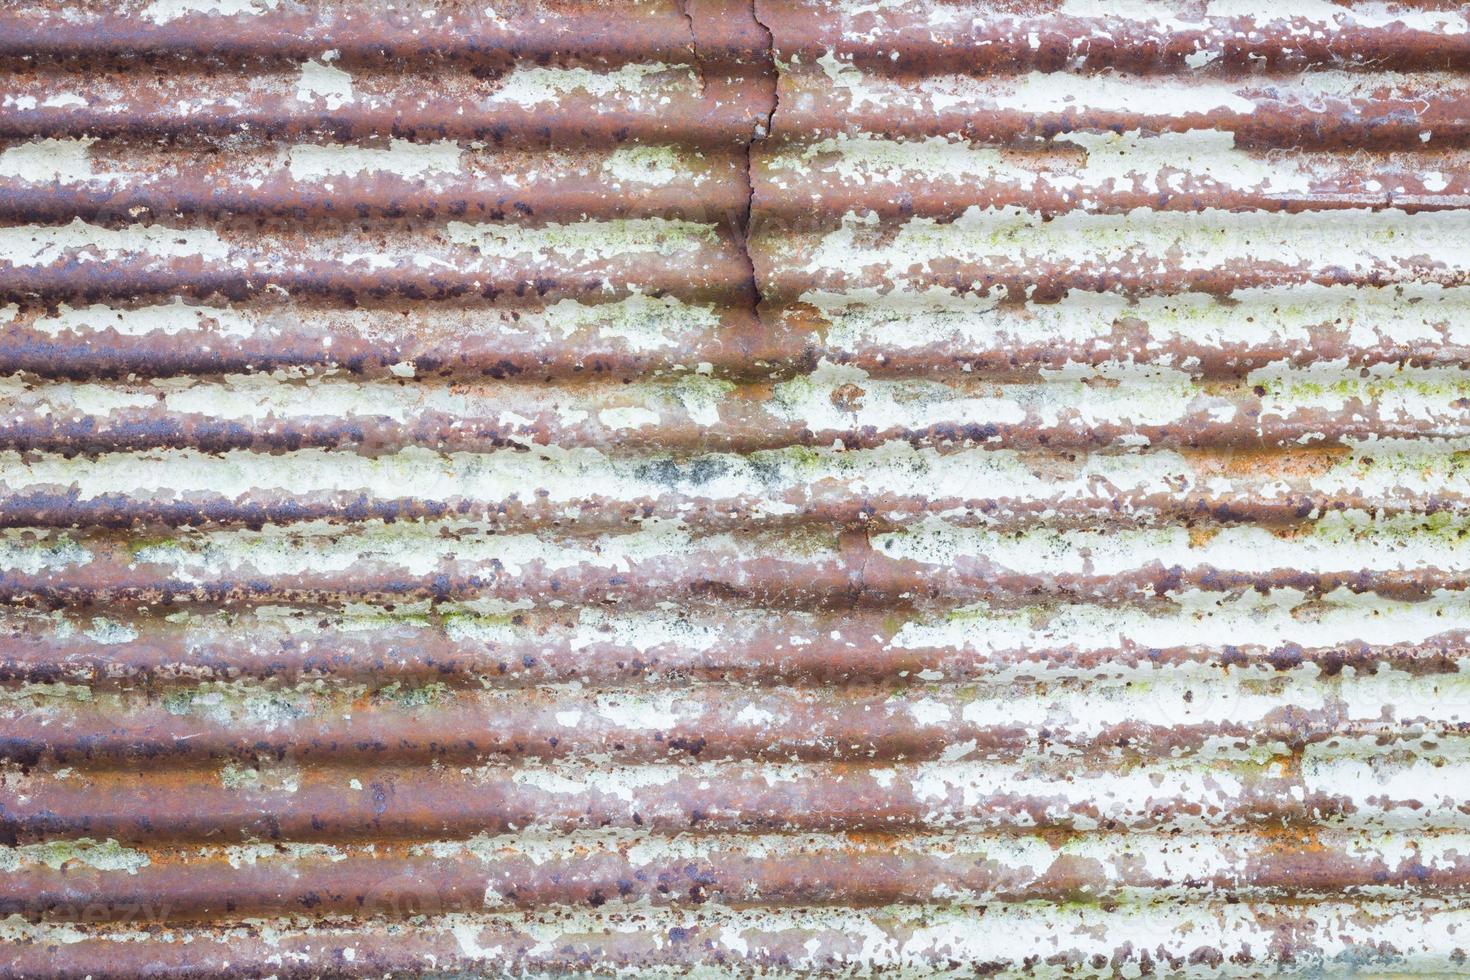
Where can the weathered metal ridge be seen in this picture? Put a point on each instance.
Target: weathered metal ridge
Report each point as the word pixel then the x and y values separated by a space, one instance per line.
pixel 916 487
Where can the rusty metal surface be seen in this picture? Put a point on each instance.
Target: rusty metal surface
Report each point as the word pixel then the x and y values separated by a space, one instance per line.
pixel 915 487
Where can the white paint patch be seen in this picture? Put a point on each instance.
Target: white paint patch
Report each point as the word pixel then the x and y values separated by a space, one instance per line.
pixel 927 711
pixel 105 856
pixel 754 717
pixel 1146 11
pixel 701 396
pixel 628 417
pixel 1270 317
pixel 320 80
pixel 1387 392
pixel 587 241
pixel 837 397
pixel 622 781
pixel 49 161
pixel 1323 15
pixel 22 552
pixel 643 323
pixel 417 548
pixel 655 166
pixel 286 852
pixel 168 319
pixel 639 711
pixel 641 632
pixel 1167 160
pixel 1050 92
pixel 164 11
pixel 1115 162
pixel 862 157
pixel 1202 58
pixel 1205 620
pixel 1339 543
pixel 1360 240
pixel 646 84
pixel 401 158
pixel 41 245
pixel 110 632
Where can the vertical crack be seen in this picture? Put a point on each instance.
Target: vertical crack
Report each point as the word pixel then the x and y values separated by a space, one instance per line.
pixel 683 7
pixel 768 72
pixel 762 69
pixel 735 52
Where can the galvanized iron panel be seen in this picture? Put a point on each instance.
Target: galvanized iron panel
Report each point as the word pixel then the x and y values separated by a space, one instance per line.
pixel 907 487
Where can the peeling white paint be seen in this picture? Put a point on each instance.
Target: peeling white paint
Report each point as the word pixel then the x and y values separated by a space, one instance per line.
pixel 589 241
pixel 169 319
pixel 42 245
pixel 401 158
pixel 165 11
pixel 46 161
pixel 320 80
pixel 642 83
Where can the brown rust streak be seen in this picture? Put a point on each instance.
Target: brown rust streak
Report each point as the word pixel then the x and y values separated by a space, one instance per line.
pixel 416 726
pixel 197 177
pixel 686 412
pixel 323 803
pixel 1006 37
pixel 820 567
pixel 874 870
pixel 759 646
pixel 535 33
pixel 1281 112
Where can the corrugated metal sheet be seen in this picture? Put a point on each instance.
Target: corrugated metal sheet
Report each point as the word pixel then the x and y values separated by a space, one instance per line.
pixel 812 488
